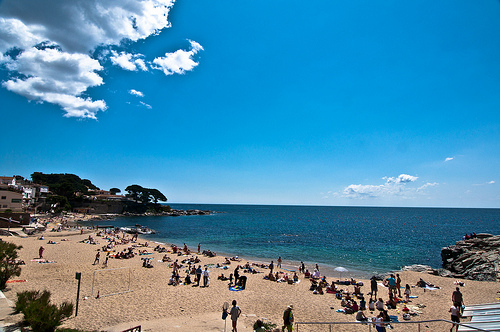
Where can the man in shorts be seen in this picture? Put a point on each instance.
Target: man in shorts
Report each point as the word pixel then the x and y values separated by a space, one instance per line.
pixel 455 316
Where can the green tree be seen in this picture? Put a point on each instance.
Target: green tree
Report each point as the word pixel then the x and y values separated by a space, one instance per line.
pixel 114 191
pixel 134 191
pixel 39 313
pixel 144 195
pixel 63 184
pixel 59 203
pixel 157 196
pixel 8 267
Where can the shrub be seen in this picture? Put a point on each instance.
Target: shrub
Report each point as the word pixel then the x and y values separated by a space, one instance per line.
pixel 8 267
pixel 267 326
pixel 39 313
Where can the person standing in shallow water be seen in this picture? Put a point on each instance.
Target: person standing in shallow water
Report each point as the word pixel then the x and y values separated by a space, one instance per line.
pixel 279 262
pixel 235 313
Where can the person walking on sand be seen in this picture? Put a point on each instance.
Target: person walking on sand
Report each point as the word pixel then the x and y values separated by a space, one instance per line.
pixel 97 256
pixel 205 277
pixel 235 313
pixel 271 266
pixel 457 298
pixel 106 260
pixel 198 275
pixel 288 319
pixel 40 252
pixel 455 316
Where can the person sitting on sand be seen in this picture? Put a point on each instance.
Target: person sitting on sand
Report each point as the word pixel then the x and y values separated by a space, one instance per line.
pixel 318 290
pixel 379 304
pixel 360 316
pixel 354 306
pixel 307 274
pixel 295 277
pixel 371 305
pixel 362 303
pixel 391 303
pixel 172 281
pixel 332 288
pixel 357 289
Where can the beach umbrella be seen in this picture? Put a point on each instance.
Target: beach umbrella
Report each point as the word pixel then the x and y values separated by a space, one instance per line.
pixel 340 269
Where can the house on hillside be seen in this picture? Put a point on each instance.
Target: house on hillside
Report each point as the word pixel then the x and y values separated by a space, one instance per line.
pixel 8 180
pixel 10 200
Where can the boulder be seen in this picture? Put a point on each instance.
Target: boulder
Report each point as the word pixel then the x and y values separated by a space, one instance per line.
pixel 474 259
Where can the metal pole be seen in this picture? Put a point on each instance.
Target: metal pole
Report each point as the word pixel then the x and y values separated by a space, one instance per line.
pixel 78 276
pixel 418 327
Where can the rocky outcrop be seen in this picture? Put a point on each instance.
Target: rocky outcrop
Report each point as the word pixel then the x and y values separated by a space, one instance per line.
pixel 474 259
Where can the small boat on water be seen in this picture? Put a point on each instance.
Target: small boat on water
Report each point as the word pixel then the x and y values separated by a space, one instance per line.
pixel 137 229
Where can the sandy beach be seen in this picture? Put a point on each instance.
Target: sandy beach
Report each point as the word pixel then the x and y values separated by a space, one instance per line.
pixel 157 306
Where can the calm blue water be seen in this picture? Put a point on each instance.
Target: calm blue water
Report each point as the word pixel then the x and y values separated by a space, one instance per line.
pixel 362 239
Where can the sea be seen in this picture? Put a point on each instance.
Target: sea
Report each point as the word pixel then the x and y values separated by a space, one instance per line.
pixel 363 240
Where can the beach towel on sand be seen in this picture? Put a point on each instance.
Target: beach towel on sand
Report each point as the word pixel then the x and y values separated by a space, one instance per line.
pixel 236 288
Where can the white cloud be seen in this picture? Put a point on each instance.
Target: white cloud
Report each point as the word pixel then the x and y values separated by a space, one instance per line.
pixel 78 26
pixel 393 187
pixel 449 159
pixel 402 178
pixel 145 105
pixel 136 93
pixel 49 75
pixel 485 183
pixel 428 184
pixel 178 62
pixel 54 41
pixel 127 61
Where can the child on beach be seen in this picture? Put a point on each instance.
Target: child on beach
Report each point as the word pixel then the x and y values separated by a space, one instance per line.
pixel 407 292
pixel 235 313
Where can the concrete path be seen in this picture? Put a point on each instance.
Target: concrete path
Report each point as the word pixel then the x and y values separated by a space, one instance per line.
pixel 6 308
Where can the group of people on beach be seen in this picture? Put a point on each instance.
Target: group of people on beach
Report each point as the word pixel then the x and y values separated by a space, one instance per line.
pixel 351 301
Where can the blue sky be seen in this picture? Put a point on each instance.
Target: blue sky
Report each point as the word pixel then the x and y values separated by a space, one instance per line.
pixel 355 103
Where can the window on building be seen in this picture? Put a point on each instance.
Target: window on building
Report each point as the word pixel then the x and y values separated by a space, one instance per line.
pixel 15 200
pixel 4 197
pixel 4 206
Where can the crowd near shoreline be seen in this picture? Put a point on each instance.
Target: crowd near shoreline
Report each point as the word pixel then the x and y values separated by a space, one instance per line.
pixel 128 281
